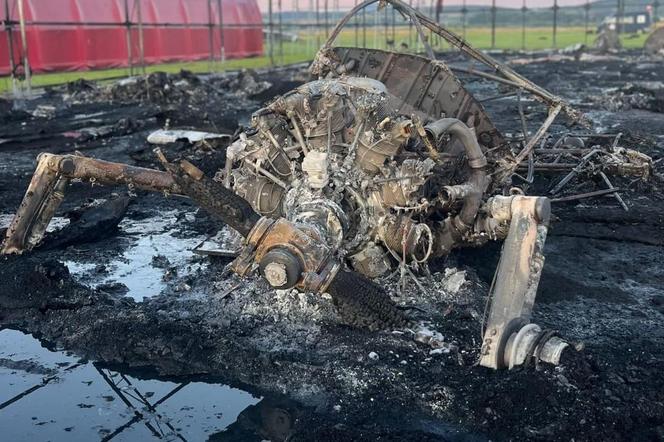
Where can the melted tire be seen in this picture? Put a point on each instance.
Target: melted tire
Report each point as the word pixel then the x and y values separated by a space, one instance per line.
pixel 218 201
pixel 363 303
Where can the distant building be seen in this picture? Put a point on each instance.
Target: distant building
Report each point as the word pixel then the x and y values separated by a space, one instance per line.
pixel 630 22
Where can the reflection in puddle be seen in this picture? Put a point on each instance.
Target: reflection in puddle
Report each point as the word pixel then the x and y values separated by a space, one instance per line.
pixel 57 222
pixel 135 268
pixel 54 396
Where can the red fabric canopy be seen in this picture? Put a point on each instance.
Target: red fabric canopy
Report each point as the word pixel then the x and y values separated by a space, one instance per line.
pixel 69 35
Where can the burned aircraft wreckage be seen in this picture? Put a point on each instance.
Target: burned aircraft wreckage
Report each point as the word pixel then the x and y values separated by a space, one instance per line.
pixel 384 161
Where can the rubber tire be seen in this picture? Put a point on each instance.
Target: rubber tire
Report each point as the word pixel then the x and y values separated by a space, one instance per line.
pixel 220 202
pixel 363 303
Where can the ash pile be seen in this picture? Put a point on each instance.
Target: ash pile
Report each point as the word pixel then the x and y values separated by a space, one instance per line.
pixel 161 88
pixel 643 95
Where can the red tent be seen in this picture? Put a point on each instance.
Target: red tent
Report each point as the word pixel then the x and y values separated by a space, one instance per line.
pixel 68 35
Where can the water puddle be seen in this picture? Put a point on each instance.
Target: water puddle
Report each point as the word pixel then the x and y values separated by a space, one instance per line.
pixel 56 223
pixel 136 268
pixel 49 395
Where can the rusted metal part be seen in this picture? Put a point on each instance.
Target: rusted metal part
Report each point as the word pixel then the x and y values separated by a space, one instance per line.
pixel 288 256
pixel 487 75
pixel 615 194
pixel 403 237
pixel 508 339
pixel 527 150
pixel 48 184
pixel 105 172
pixel 580 196
pixel 574 172
pixel 551 167
pixel 41 200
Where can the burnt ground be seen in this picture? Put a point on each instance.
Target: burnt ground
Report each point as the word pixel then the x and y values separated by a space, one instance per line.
pixel 601 283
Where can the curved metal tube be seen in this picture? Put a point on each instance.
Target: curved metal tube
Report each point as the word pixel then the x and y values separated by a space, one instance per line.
pixel 453 229
pixel 399 6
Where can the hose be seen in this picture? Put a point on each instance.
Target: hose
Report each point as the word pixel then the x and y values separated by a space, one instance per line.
pixel 453 229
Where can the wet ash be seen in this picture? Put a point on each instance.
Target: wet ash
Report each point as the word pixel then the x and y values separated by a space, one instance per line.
pixel 645 96
pixel 183 88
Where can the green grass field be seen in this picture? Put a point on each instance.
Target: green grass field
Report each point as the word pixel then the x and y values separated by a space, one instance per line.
pixel 306 46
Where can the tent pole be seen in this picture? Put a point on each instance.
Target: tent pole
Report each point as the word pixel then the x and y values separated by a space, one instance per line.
pixel 270 31
pixel 141 46
pixel 24 42
pixel 9 28
pixel 222 39
pixel 130 49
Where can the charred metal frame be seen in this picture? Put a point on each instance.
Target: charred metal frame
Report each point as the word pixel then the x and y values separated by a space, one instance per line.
pixel 46 192
pixel 507 75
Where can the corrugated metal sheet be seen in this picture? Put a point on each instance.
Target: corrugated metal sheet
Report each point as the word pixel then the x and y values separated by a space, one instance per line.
pixel 68 35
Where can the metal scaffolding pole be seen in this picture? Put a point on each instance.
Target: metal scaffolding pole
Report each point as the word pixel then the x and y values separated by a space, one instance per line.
pixel 386 28
pixel 364 28
pixel 318 23
pixel 24 44
pixel 439 19
pixel 432 7
pixel 357 28
pixel 417 40
pixel 439 11
pixel 326 17
pixel 130 43
pixel 493 24
pixel 210 35
pixel 222 38
pixel 524 11
pixel 10 45
pixel 270 32
pixel 141 46
pixel 310 26
pixel 620 12
pixel 410 28
pixel 296 7
pixel 375 33
pixel 555 23
pixel 394 24
pixel 464 14
pixel 281 32
pixel 586 8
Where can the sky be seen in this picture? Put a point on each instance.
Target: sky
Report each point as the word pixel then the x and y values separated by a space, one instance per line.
pixel 346 4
